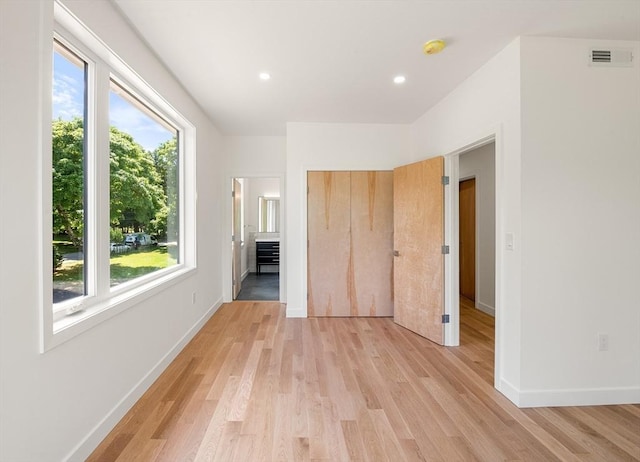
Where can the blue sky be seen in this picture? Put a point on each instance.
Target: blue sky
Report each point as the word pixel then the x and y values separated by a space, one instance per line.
pixel 68 90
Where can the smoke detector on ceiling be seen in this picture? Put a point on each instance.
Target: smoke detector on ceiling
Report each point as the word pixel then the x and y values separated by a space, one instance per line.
pixel 433 47
pixel 611 57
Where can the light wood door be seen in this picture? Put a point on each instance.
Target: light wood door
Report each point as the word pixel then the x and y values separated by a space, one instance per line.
pixel 418 206
pixel 236 238
pixel 328 244
pixel 467 216
pixel 371 260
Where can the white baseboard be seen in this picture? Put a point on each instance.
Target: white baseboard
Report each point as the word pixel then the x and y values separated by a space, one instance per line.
pixel 102 429
pixel 296 313
pixel 511 392
pixel 575 397
pixel 580 397
pixel 244 275
pixel 491 311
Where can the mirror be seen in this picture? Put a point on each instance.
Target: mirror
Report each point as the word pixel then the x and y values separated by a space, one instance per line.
pixel 268 214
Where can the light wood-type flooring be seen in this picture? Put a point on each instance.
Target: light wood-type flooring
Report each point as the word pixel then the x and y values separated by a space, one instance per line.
pixel 255 386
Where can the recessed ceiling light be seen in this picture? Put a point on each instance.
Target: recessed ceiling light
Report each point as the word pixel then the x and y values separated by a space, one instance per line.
pixel 399 79
pixel 264 76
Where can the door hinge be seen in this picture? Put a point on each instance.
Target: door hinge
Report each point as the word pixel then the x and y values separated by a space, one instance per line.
pixel 445 180
pixel 233 194
pixel 445 319
pixel 445 249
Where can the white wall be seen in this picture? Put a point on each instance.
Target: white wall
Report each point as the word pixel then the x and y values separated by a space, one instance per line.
pixel 329 147
pixel 480 164
pixel 488 104
pixel 250 156
pixel 567 167
pixel 581 224
pixel 62 403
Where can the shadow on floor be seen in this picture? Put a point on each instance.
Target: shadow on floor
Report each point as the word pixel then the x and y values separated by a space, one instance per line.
pixel 266 286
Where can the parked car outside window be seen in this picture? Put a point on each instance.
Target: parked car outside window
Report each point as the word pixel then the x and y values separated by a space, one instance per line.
pixel 139 239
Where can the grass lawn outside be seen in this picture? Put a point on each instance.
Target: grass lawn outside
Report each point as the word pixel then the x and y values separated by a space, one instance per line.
pixel 64 245
pixel 138 263
pixel 124 267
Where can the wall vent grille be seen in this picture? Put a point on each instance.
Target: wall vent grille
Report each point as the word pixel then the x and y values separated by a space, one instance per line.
pixel 602 57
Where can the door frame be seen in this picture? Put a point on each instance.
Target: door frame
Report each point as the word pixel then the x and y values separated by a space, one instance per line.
pixel 451 233
pixel 237 219
pixel 226 260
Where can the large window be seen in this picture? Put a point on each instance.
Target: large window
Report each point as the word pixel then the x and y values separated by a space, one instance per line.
pixel 143 188
pixel 68 174
pixel 122 216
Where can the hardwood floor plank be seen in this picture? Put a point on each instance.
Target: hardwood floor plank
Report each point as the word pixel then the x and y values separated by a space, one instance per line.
pixel 246 447
pixel 113 449
pixel 628 442
pixel 221 375
pixel 424 426
pixel 228 445
pixel 387 436
pixel 145 432
pixel 185 447
pixel 607 416
pixel 300 420
pixel 283 444
pixel 411 451
pixel 353 440
pixel 593 438
pixel 370 439
pixel 336 444
pixel 180 395
pixel 243 391
pixel 300 449
pixel 255 386
pixel 216 425
pixel 150 451
pixel 317 437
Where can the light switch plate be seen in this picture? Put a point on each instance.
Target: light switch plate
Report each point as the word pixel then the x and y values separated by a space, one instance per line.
pixel 509 241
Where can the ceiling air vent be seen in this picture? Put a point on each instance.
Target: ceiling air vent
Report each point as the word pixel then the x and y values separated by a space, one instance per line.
pixel 607 57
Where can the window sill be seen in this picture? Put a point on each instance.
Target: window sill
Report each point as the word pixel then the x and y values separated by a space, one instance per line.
pixel 99 311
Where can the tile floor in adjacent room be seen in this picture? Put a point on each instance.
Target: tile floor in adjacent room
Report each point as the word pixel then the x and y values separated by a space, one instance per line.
pixel 263 286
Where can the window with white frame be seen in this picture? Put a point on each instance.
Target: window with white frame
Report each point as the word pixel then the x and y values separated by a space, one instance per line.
pixel 68 132
pixel 121 218
pixel 143 184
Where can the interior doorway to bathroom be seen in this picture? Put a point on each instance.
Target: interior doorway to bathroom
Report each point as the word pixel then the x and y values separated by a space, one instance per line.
pixel 256 222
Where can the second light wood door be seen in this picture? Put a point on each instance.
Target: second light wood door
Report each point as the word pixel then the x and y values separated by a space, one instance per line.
pixel 349 255
pixel 418 204
pixel 467 216
pixel 371 265
pixel 328 243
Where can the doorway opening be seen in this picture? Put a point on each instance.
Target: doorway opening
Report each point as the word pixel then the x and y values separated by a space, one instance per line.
pixel 255 247
pixel 477 252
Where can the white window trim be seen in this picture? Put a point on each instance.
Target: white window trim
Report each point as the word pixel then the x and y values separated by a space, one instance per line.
pixel 102 302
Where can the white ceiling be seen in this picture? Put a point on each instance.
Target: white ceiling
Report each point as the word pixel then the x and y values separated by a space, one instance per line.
pixel 334 61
